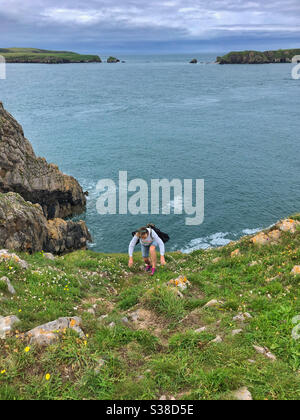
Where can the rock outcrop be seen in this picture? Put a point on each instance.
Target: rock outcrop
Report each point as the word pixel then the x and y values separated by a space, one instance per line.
pixel 24 227
pixel 113 60
pixel 258 57
pixel 32 177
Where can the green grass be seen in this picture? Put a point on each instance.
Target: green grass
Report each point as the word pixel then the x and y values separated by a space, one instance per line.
pixel 34 55
pixel 166 357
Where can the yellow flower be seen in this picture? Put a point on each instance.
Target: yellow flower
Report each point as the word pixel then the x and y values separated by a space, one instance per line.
pixel 47 376
pixel 27 349
pixel 3 371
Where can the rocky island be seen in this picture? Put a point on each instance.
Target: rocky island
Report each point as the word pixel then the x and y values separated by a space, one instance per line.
pixel 258 57
pixel 35 55
pixel 35 197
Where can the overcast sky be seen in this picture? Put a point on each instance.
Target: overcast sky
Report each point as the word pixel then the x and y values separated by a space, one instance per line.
pixel 149 26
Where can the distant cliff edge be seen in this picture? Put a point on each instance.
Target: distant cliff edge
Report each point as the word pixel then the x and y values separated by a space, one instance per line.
pixel 35 55
pixel 258 57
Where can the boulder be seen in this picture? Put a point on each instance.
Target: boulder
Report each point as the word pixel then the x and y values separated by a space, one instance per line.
pixel 37 181
pixel 242 394
pixel 288 225
pixel 24 227
pixel 194 61
pixel 47 334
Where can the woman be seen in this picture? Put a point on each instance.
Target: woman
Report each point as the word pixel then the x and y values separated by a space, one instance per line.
pixel 149 241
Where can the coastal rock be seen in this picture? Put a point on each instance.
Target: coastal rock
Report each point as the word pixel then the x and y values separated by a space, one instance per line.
pixel 32 177
pixel 258 57
pixel 24 227
pixel 288 225
pixel 113 60
pixel 296 270
pixel 269 238
pixel 7 256
pixel 194 61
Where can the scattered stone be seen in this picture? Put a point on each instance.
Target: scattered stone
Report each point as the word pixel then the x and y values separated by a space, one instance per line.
pixel 288 225
pixel 217 340
pixel 100 364
pixel 134 316
pixel 125 320
pixel 7 256
pixel 242 394
pixel 253 263
pixel 181 282
pixel 102 317
pixel 112 325
pixel 10 287
pixel 269 238
pixel 216 260
pixel 200 330
pixel 91 311
pixel 242 317
pixel 296 270
pixel 6 325
pixel 212 303
pixel 235 253
pixel 251 361
pixel 265 351
pixel 49 256
pixel 194 61
pixel 236 332
pixel 47 334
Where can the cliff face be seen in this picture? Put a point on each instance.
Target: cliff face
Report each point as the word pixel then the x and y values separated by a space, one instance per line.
pixel 32 177
pixel 24 227
pixel 258 57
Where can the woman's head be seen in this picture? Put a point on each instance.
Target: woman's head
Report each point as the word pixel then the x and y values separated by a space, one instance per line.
pixel 143 232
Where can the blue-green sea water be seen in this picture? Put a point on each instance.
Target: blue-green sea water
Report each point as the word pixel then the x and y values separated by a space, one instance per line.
pixel 236 127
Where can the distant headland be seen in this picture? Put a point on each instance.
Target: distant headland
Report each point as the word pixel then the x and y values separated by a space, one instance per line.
pixel 35 55
pixel 258 57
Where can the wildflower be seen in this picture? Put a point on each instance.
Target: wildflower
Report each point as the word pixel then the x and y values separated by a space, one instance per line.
pixel 3 371
pixel 27 349
pixel 47 376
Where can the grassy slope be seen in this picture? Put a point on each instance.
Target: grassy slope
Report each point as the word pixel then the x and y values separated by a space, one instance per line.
pixel 34 55
pixel 168 357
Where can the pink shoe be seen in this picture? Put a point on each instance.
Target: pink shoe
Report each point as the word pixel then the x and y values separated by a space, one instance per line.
pixel 153 271
pixel 148 268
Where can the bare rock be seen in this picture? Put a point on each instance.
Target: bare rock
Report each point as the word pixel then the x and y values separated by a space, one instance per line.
pixel 47 334
pixel 6 325
pixel 37 181
pixel 242 394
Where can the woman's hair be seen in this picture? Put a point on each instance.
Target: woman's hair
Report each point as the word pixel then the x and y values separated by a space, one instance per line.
pixel 142 231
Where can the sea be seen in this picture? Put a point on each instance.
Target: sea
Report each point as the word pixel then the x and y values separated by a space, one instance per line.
pixel 236 127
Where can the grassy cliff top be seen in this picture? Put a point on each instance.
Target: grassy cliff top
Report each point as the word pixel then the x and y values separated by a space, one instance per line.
pixel 140 336
pixel 257 57
pixel 34 55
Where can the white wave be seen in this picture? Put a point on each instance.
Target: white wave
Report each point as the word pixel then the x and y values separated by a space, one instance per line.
pixel 216 240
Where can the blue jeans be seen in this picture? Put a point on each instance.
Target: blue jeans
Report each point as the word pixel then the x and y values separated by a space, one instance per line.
pixel 146 249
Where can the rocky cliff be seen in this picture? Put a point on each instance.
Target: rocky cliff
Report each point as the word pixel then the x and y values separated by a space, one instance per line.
pixel 32 177
pixel 35 197
pixel 24 227
pixel 258 57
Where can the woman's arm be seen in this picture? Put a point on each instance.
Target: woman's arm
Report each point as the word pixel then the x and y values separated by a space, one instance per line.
pixel 160 243
pixel 132 244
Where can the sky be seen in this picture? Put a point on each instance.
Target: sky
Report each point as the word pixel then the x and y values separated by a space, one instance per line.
pixel 150 26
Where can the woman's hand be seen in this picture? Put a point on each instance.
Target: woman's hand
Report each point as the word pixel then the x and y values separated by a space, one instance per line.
pixel 130 263
pixel 162 260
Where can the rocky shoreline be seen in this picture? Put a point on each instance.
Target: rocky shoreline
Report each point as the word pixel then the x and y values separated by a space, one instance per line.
pixel 35 197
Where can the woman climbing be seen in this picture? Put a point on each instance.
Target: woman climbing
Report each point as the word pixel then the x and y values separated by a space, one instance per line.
pixel 149 240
